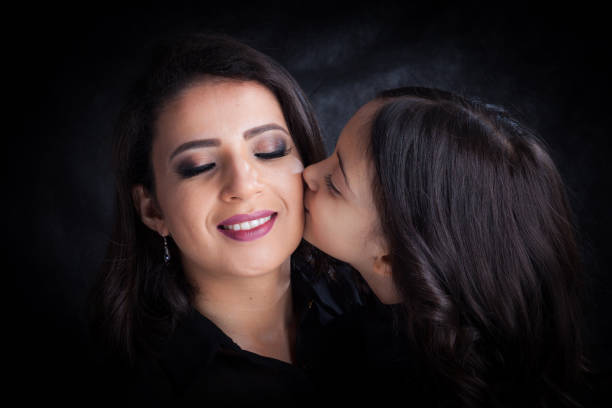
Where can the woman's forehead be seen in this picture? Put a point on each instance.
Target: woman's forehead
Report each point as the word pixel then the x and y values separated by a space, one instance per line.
pixel 219 109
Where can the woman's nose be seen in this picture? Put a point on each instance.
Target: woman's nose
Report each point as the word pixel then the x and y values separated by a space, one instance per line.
pixel 242 182
pixel 310 177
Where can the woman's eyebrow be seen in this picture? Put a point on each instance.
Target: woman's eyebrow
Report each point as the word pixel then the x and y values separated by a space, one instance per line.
pixel 192 144
pixel 263 128
pixel 247 134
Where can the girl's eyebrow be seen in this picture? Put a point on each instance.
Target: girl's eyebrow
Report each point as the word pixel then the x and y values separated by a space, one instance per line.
pixel 247 134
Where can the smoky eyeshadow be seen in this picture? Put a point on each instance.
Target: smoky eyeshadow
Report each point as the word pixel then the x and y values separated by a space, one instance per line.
pixel 267 150
pixel 188 169
pixel 270 145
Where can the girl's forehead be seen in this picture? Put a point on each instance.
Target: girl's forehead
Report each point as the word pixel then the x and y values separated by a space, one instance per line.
pixel 355 136
pixel 364 115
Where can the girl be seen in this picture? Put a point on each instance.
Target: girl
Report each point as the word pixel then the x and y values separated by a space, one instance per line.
pixel 454 213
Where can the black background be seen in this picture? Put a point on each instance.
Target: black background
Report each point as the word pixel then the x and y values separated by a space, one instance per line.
pixel 71 68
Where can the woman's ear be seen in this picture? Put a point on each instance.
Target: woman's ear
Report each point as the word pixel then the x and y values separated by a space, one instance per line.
pixel 385 290
pixel 149 211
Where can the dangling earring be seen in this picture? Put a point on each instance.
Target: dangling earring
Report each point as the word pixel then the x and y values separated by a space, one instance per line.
pixel 166 252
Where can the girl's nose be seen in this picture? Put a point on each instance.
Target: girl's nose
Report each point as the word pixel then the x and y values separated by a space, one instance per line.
pixel 310 177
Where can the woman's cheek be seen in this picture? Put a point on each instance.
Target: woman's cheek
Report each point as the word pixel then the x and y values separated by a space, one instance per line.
pixel 294 165
pixel 297 202
pixel 289 165
pixel 285 178
pixel 192 210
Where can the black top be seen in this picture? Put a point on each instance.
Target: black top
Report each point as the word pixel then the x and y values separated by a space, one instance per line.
pixel 362 358
pixel 200 363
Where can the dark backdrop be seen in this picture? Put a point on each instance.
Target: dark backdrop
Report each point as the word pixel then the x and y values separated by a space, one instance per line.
pixel 72 68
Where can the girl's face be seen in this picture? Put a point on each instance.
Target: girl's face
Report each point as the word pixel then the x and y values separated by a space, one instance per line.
pixel 341 217
pixel 227 180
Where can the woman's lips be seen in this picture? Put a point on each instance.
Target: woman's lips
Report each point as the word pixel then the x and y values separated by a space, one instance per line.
pixel 247 227
pixel 238 218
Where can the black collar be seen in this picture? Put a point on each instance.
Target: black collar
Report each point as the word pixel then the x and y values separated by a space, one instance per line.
pixel 196 340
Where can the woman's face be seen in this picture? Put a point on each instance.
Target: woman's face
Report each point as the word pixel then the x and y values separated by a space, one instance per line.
pixel 341 217
pixel 228 179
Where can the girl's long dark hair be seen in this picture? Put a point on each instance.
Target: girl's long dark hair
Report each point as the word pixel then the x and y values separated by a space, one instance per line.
pixel 482 247
pixel 137 299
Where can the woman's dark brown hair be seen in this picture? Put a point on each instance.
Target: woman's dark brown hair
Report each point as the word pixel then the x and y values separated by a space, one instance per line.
pixel 482 248
pixel 138 299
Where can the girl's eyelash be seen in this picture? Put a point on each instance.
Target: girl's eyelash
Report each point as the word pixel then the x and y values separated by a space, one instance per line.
pixel 330 185
pixel 187 172
pixel 273 155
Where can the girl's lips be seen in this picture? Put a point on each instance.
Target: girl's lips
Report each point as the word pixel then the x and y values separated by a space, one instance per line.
pixel 238 218
pixel 250 234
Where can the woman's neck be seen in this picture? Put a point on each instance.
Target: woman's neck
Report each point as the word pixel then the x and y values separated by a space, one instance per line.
pixel 256 312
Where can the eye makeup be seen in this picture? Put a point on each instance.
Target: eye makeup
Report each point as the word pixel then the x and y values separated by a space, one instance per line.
pixel 188 170
pixel 274 155
pixel 271 148
pixel 291 164
pixel 266 149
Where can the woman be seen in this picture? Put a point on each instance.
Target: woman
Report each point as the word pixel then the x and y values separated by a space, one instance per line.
pixel 202 291
pixel 453 213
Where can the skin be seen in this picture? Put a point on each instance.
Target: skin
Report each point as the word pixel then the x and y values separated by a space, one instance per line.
pixel 242 286
pixel 341 218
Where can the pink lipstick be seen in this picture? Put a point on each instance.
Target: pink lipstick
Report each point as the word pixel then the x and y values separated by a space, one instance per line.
pixel 248 227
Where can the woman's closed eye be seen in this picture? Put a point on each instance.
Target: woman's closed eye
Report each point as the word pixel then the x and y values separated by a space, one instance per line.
pixel 330 186
pixel 275 154
pixel 188 170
